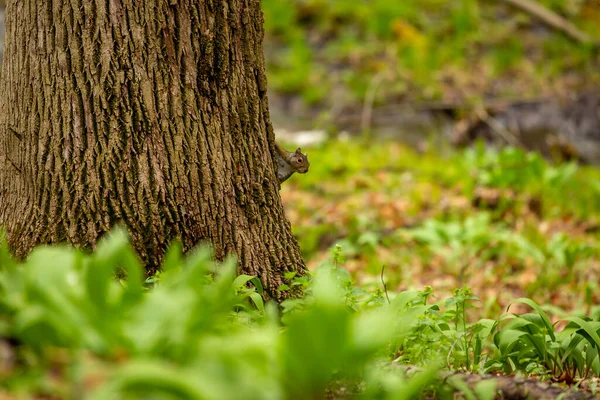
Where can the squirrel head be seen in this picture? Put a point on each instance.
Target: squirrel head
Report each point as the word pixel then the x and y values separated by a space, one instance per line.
pixel 299 161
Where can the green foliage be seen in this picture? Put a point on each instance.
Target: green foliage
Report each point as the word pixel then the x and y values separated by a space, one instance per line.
pixel 506 222
pixel 529 343
pixel 198 332
pixel 517 169
pixel 425 48
pixel 89 325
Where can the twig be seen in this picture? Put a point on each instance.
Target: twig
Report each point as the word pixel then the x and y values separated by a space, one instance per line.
pixel 365 120
pixel 552 19
pixel 497 127
pixel 384 285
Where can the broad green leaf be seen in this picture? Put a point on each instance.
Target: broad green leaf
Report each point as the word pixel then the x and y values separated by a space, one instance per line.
pixel 588 328
pixel 507 339
pixel 486 389
pixel 258 301
pixel 541 313
pixel 137 378
pixel 241 281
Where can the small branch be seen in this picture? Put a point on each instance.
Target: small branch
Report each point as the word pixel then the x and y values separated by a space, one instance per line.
pixel 365 120
pixel 497 127
pixel 552 19
pixel 384 285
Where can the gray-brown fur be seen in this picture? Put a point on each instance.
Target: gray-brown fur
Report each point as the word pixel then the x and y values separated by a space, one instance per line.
pixel 288 163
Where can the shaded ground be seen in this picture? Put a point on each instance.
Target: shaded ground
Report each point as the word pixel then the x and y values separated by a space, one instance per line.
pixel 563 129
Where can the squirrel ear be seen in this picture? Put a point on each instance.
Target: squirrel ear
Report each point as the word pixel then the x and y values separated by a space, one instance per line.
pixel 298 151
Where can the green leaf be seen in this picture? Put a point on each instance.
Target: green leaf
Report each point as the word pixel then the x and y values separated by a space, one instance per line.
pixel 258 285
pixel 540 312
pixel 241 281
pixel 173 257
pixel 137 378
pixel 415 385
pixel 507 339
pixel 588 329
pixel 114 251
pixel 258 301
pixel 486 389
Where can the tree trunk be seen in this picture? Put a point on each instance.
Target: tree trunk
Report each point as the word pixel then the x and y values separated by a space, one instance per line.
pixel 149 113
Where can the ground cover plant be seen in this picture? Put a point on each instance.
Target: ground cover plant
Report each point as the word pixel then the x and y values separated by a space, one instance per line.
pixel 426 272
pixel 196 332
pixel 505 222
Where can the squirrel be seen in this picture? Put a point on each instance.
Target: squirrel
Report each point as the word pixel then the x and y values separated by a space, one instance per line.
pixel 288 162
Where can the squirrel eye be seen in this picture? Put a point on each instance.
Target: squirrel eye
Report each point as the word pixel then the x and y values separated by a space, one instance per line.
pixel 299 160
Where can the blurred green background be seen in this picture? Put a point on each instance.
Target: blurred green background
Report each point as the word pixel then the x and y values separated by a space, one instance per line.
pixel 427 50
pixel 419 117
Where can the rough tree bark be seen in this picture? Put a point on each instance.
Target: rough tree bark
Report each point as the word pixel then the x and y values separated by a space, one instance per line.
pixel 149 113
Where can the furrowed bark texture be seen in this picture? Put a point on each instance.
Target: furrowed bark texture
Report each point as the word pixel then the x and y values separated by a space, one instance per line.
pixel 149 113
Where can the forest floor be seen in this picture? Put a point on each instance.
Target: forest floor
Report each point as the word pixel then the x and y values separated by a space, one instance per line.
pixel 503 225
pixel 506 224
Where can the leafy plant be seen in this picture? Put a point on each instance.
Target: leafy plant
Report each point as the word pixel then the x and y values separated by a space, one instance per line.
pixel 198 331
pixel 529 343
